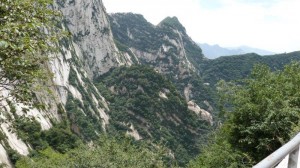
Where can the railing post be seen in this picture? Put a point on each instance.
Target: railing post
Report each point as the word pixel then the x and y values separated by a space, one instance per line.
pixel 293 159
pixel 277 156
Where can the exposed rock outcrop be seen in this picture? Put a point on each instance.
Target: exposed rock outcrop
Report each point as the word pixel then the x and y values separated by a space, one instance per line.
pixel 93 42
pixel 166 47
pixel 89 52
pixel 201 112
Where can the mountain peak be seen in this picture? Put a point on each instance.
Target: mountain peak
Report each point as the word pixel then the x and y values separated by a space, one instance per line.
pixel 172 22
pixel 129 16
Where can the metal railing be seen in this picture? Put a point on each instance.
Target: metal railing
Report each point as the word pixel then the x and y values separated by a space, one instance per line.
pixel 285 157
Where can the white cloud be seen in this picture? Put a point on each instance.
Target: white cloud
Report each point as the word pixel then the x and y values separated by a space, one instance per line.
pixel 273 25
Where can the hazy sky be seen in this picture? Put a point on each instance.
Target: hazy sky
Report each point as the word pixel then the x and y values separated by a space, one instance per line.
pixel 273 25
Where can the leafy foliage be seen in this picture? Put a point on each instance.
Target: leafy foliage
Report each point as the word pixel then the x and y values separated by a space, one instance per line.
pixel 106 153
pixel 28 33
pixel 220 153
pixel 200 92
pixel 263 113
pixel 82 124
pixel 265 110
pixel 58 137
pixel 30 130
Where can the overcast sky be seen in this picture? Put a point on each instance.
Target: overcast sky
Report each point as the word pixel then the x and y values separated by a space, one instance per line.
pixel 272 25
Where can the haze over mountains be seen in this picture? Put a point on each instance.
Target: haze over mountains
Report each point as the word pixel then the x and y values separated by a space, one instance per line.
pixel 215 51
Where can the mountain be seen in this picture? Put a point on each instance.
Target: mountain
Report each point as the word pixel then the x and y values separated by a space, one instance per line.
pixel 240 66
pixel 247 49
pixel 80 110
pixel 166 47
pixel 146 105
pixel 215 51
pixel 119 75
pixel 89 52
pixel 169 51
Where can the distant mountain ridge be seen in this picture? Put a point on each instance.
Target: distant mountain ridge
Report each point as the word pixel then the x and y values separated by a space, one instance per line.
pixel 215 51
pixel 237 67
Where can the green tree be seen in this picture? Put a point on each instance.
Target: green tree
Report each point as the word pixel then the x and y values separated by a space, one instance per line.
pixel 28 32
pixel 261 115
pixel 106 153
pixel 220 153
pixel 266 108
pixel 46 158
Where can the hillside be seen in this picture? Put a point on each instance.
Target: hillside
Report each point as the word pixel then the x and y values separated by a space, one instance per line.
pixel 109 79
pixel 215 51
pixel 77 112
pixel 169 50
pixel 147 106
pixel 89 50
pixel 166 47
pixel 240 66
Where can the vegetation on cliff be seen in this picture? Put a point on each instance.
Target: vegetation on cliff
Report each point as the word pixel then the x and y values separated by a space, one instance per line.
pixel 148 120
pixel 28 32
pixel 144 99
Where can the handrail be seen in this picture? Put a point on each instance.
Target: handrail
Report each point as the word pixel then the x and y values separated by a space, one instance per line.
pixel 277 156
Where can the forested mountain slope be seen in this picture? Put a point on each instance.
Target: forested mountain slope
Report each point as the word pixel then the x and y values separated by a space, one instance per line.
pixel 168 49
pixel 147 106
pixel 73 65
pixel 240 66
pixel 78 112
pixel 146 87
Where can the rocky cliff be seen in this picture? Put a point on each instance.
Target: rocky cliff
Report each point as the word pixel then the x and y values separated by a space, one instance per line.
pixel 76 103
pixel 166 47
pixel 92 37
pixel 89 52
pixel 168 98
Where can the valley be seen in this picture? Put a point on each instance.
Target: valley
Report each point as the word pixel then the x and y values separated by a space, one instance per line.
pixel 118 88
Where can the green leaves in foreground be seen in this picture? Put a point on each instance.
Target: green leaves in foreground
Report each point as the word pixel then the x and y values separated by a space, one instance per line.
pixel 28 33
pixel 219 153
pixel 106 153
pixel 261 113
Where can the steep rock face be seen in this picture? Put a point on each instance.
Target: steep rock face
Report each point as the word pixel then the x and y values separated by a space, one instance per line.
pixel 3 156
pixel 89 52
pixel 165 47
pixel 76 92
pixel 70 80
pixel 88 23
pixel 12 142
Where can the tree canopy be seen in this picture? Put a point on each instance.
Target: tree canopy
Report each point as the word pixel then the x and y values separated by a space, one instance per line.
pixel 28 32
pixel 107 153
pixel 261 113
